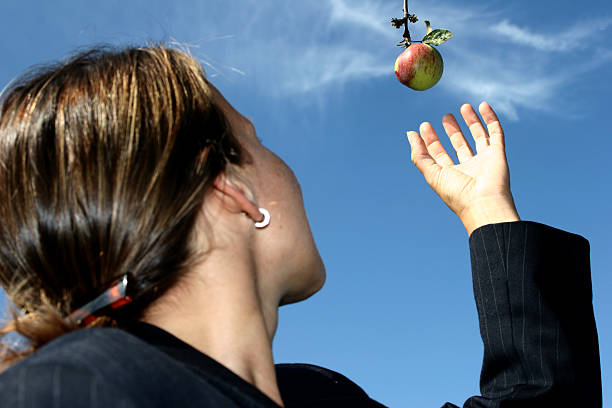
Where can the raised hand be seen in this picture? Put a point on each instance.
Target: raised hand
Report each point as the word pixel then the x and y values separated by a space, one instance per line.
pixel 478 188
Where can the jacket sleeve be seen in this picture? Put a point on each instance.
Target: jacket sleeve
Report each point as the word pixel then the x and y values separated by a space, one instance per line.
pixel 532 285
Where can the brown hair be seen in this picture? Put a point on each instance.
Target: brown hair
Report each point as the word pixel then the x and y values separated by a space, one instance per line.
pixel 105 159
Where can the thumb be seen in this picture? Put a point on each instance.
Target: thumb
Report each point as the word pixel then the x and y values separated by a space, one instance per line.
pixel 422 159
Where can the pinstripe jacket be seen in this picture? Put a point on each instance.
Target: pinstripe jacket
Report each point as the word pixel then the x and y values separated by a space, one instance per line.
pixel 533 294
pixel 532 285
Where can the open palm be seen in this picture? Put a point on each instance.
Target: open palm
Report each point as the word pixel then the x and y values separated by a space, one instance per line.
pixel 483 177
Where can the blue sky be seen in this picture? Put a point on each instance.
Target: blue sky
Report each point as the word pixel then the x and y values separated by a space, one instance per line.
pixel 397 313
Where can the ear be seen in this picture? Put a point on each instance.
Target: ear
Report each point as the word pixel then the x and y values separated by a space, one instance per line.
pixel 235 199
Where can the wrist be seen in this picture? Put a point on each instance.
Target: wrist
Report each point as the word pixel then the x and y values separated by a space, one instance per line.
pixel 490 210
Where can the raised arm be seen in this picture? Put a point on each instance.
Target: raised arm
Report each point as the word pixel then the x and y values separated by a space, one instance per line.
pixel 477 189
pixel 532 282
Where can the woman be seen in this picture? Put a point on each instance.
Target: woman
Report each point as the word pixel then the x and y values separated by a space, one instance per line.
pixel 149 239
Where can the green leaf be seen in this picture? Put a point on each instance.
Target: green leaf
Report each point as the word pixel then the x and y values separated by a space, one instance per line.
pixel 429 29
pixel 437 36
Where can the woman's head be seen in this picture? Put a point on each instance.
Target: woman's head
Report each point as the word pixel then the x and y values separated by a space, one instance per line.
pixel 285 253
pixel 106 160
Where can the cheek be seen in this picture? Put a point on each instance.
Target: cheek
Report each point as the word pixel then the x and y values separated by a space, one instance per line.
pixel 284 196
pixel 280 176
pixel 293 182
pixel 276 186
pixel 293 189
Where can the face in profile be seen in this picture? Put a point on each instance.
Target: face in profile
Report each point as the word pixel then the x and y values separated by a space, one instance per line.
pixel 286 253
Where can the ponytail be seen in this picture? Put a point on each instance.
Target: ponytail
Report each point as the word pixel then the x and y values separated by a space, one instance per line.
pixel 105 160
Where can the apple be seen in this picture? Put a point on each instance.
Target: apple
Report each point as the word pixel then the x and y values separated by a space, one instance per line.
pixel 419 67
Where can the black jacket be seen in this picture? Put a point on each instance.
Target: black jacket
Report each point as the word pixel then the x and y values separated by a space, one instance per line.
pixel 533 294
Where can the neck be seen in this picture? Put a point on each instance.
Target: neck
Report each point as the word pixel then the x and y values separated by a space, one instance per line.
pixel 222 315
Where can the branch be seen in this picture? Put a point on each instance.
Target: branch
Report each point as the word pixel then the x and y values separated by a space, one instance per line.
pixel 399 22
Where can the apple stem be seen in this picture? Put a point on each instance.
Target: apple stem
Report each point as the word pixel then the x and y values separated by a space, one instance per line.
pixel 406 32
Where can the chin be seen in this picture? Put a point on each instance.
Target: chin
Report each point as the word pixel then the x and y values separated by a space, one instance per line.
pixel 308 282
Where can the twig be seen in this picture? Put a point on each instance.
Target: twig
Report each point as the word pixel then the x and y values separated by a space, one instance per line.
pixel 399 22
pixel 406 32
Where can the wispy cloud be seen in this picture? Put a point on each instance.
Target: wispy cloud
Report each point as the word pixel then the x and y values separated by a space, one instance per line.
pixel 575 36
pixel 324 66
pixel 370 15
pixel 304 48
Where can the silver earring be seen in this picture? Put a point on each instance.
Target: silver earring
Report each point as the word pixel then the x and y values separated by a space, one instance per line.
pixel 266 220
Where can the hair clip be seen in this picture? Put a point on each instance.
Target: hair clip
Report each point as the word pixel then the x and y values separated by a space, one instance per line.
pixel 115 296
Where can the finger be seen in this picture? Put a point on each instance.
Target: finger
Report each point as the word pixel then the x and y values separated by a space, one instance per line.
pixel 421 158
pixel 496 133
pixel 434 147
pixel 461 146
pixel 476 129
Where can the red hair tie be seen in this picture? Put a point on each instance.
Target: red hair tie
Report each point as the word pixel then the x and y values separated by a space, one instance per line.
pixel 115 296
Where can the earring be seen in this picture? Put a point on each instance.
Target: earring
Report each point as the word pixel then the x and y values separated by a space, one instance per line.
pixel 266 220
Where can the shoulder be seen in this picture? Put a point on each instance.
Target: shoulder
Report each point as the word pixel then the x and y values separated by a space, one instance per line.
pixel 98 351
pixel 97 368
pixel 67 371
pixel 306 385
